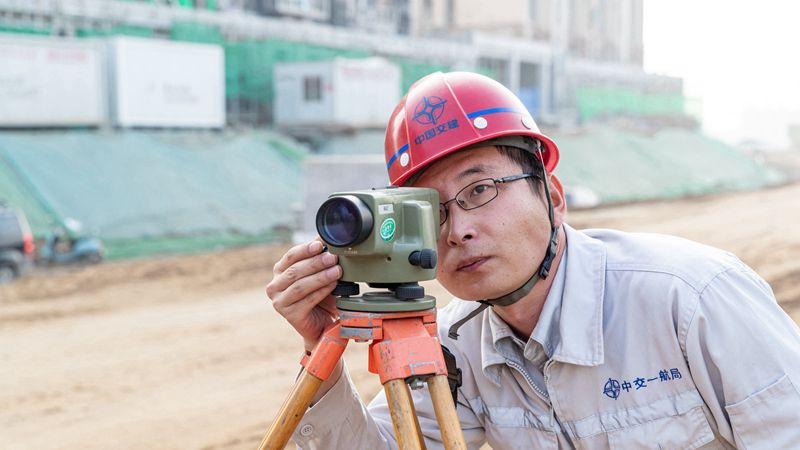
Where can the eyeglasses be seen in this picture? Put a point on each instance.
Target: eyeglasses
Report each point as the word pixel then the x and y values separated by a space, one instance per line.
pixel 478 193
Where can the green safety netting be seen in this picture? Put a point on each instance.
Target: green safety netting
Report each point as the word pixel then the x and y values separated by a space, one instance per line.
pixel 207 4
pixel 7 28
pixel 143 190
pixel 195 32
pixel 117 30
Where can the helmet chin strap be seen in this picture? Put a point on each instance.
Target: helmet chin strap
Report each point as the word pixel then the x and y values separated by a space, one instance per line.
pixel 541 273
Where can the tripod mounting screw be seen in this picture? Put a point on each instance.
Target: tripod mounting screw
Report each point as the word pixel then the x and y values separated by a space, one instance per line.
pixel 409 291
pixel 345 289
pixel 416 383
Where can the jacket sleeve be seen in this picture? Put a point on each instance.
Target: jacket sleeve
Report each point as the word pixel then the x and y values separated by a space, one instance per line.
pixel 341 421
pixel 743 351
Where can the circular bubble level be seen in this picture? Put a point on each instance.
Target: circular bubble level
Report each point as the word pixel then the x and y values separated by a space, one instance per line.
pixel 344 221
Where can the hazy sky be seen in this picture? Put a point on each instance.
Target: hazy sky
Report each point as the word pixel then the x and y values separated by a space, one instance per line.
pixel 739 58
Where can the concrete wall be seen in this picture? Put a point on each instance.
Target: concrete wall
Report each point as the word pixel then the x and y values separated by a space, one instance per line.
pixel 326 174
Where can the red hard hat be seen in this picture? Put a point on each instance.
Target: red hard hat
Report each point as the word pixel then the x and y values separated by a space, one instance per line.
pixel 445 112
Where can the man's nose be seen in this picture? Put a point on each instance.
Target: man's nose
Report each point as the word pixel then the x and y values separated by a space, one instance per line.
pixel 459 226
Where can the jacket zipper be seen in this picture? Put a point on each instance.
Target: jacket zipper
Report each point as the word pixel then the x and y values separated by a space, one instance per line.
pixel 533 386
pixel 538 391
pixel 527 377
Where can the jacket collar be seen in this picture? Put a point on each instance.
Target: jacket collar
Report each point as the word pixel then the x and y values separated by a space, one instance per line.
pixel 570 327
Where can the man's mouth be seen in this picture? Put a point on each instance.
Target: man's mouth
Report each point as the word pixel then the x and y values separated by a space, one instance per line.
pixel 471 264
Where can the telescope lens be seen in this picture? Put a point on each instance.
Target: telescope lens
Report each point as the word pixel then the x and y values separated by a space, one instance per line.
pixel 344 221
pixel 341 222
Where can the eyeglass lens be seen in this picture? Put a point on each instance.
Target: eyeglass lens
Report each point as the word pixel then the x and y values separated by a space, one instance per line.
pixel 472 196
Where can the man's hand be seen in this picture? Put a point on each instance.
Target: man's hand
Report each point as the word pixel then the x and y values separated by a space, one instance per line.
pixel 301 288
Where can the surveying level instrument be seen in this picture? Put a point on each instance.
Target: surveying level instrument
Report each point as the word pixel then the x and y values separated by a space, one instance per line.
pixel 387 239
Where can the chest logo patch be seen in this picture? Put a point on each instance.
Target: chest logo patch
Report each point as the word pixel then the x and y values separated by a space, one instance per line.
pixel 613 388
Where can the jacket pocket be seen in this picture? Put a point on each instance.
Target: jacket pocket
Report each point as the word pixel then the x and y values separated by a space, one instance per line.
pixel 687 431
pixel 521 439
pixel 516 428
pixel 767 419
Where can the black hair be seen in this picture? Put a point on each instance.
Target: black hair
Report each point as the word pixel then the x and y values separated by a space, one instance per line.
pixel 528 162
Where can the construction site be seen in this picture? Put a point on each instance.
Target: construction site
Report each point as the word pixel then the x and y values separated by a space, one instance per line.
pixel 196 141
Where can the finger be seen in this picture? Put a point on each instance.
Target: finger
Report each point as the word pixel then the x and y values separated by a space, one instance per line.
pixel 303 287
pixel 297 253
pixel 312 283
pixel 299 271
pixel 304 306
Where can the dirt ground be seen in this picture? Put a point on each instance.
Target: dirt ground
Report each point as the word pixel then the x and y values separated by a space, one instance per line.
pixel 186 352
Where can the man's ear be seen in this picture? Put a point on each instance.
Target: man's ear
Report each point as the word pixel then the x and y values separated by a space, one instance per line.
pixel 558 199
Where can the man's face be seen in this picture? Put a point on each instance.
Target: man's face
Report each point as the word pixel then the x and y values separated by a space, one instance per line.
pixel 492 250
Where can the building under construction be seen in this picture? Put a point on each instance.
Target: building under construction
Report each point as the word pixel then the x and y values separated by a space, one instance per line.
pixel 570 62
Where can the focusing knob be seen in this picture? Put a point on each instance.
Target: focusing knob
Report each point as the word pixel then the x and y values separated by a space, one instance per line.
pixel 409 291
pixel 425 258
pixel 345 289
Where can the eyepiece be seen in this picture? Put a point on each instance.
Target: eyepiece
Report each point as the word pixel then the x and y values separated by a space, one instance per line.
pixel 344 221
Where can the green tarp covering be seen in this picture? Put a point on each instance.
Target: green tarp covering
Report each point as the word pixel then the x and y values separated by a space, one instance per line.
pixel 622 166
pixel 135 186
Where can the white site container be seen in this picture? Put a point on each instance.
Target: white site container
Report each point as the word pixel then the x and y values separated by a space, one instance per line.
pixel 156 83
pixel 336 94
pixel 51 82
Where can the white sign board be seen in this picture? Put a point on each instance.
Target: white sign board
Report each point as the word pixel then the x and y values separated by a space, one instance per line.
pixel 167 84
pixel 50 82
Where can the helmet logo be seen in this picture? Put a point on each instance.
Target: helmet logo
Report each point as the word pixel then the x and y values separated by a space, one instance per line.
pixel 429 110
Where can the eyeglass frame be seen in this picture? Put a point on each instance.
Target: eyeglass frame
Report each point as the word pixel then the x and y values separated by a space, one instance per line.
pixel 444 206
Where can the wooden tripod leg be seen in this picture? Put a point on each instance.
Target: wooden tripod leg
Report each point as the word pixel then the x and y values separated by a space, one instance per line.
pixel 404 417
pixel 317 369
pixel 293 409
pixel 450 427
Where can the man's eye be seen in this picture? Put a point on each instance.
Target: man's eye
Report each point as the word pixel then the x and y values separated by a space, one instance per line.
pixel 479 189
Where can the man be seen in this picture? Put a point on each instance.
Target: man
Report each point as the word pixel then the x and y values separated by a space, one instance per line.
pixel 594 340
